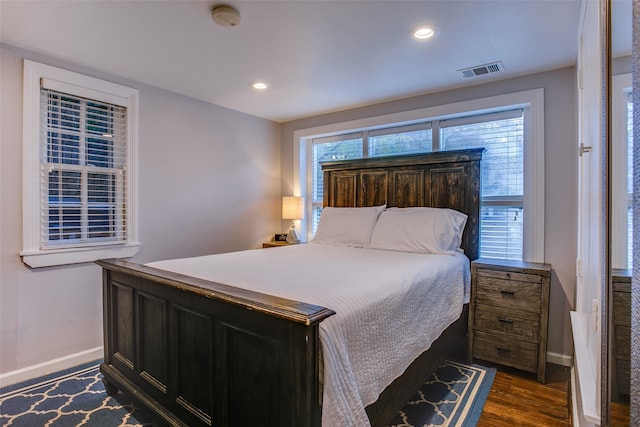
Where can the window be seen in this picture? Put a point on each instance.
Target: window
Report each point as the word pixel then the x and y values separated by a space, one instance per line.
pixel 79 145
pixel 325 149
pixel 512 199
pixel 502 169
pixel 622 173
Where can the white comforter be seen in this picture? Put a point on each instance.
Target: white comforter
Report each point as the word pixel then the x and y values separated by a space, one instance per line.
pixel 390 307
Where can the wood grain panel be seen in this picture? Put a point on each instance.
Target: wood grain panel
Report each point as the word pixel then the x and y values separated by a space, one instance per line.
pixel 124 333
pixel 251 383
pixel 510 294
pixel 447 188
pixel 489 274
pixel 517 322
pixel 506 350
pixel 193 367
pixel 342 190
pixel 374 188
pixel 153 334
pixel 408 188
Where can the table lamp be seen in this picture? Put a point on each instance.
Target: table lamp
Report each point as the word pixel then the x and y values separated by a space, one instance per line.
pixel 293 209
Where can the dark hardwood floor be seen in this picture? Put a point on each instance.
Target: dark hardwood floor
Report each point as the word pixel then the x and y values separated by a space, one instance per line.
pixel 517 399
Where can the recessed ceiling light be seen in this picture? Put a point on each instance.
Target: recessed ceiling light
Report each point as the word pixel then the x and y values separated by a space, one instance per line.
pixel 259 85
pixel 424 32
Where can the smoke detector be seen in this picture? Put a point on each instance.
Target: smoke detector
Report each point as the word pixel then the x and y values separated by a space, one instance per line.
pixel 225 16
pixel 481 70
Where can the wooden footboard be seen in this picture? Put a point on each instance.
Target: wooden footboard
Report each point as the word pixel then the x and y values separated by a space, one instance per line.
pixel 198 353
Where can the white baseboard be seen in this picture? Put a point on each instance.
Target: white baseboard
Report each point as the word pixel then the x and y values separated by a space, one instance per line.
pixel 559 359
pixel 51 366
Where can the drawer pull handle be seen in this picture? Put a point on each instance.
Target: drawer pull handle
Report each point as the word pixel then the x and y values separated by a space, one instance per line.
pixel 503 349
pixel 508 293
pixel 505 320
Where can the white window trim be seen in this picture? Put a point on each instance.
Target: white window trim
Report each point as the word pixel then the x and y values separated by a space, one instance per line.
pixel 532 103
pixel 622 86
pixel 32 254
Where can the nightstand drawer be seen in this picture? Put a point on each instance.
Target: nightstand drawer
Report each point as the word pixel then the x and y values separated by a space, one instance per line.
pixel 508 275
pixel 622 337
pixel 505 350
pixel 518 323
pixel 622 308
pixel 517 295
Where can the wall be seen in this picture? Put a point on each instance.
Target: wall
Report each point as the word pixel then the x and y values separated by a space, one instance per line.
pixel 209 181
pixel 560 175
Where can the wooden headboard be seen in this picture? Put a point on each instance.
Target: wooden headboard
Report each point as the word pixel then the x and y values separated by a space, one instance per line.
pixel 443 179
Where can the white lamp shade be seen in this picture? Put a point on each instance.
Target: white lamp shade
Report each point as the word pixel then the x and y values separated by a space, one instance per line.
pixel 292 207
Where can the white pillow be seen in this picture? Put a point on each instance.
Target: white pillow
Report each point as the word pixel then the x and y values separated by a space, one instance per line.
pixel 347 226
pixel 420 230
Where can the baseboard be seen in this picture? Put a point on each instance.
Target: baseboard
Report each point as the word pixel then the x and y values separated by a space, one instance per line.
pixel 559 359
pixel 51 366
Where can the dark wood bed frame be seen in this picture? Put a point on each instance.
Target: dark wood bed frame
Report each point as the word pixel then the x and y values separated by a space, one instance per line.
pixel 224 356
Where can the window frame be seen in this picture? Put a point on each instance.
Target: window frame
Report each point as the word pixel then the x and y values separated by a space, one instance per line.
pixel 530 101
pixel 33 253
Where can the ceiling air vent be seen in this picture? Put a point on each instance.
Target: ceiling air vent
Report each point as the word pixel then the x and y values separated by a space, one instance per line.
pixel 481 70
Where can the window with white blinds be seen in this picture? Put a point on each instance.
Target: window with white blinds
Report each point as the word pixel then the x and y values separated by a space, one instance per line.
pixel 502 134
pixel 348 146
pixel 502 169
pixel 400 140
pixel 79 171
pixel 83 170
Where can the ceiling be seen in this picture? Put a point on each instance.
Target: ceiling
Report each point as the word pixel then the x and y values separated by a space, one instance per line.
pixel 317 56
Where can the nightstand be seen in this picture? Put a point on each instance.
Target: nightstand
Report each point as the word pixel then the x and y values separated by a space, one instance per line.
pixel 621 344
pixel 509 314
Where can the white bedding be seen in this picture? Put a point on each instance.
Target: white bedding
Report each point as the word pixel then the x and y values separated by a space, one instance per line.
pixel 390 306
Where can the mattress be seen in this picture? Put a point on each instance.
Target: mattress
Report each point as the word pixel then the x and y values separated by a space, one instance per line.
pixel 390 307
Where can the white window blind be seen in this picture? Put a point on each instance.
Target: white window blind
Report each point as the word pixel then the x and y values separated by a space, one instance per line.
pixel 502 169
pixel 83 157
pixel 403 140
pixel 325 149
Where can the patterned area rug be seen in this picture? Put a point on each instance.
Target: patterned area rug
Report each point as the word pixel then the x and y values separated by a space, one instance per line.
pixel 453 396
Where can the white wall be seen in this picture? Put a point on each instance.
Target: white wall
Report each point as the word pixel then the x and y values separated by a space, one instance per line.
pixel 560 175
pixel 209 181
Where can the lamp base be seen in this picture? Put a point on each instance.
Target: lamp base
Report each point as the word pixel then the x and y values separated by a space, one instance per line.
pixel 292 236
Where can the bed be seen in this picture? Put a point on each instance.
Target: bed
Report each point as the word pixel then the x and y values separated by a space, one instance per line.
pixel 197 352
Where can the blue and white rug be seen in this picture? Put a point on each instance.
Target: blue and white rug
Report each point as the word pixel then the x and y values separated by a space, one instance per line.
pixel 71 398
pixel 453 396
